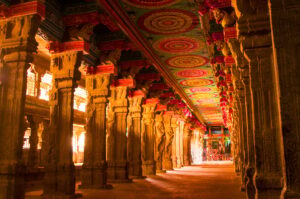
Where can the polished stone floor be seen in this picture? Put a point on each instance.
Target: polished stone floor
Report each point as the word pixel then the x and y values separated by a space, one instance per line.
pixel 208 181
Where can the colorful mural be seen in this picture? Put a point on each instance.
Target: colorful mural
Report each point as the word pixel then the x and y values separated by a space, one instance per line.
pixel 173 30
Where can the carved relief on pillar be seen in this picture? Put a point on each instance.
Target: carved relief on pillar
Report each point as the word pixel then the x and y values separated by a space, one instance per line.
pixel 174 126
pixel 169 134
pixel 149 164
pixel 159 141
pixel 17 43
pixel 94 167
pixel 134 134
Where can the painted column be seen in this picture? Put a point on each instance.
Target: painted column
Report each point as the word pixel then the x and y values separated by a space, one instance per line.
pixel 286 50
pixel 253 18
pixel 169 134
pixel 160 140
pixel 149 164
pixel 17 43
pixel 94 168
pixel 134 134
pixel 117 131
pixel 187 144
pixel 59 180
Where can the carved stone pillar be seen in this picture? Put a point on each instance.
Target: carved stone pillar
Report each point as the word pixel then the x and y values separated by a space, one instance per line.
pixel 93 174
pixel 17 43
pixel 45 142
pixel 167 162
pixel 256 43
pixel 148 162
pixel 181 143
pixel 187 144
pixel 116 135
pixel 243 134
pixel 59 180
pixel 286 50
pixel 174 126
pixel 249 172
pixel 159 142
pixel 134 135
pixel 33 141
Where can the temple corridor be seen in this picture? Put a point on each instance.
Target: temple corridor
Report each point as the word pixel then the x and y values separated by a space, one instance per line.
pixel 212 180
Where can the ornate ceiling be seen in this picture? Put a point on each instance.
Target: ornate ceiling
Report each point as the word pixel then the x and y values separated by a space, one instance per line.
pixel 173 32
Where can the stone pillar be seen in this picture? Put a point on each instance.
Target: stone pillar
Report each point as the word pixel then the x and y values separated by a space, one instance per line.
pixel 249 172
pixel 134 135
pixel 117 135
pixel 17 43
pixel 33 141
pixel 94 168
pixel 178 146
pixel 167 161
pixel 286 50
pixel 45 142
pixel 181 140
pixel 187 144
pixel 148 162
pixel 160 140
pixel 174 126
pixel 243 133
pixel 256 44
pixel 59 180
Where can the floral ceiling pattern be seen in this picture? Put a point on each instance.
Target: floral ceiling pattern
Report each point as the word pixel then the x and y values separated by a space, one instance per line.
pixel 173 30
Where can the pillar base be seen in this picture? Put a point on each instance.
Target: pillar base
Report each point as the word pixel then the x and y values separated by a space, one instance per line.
pixel 268 186
pixel 149 167
pixel 135 169
pixel 117 172
pixel 161 171
pixel 168 164
pixel 137 177
pixel 94 177
pixel 12 186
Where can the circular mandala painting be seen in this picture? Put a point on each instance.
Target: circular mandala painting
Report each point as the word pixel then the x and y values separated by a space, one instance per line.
pixel 150 4
pixel 202 95
pixel 190 73
pixel 201 89
pixel 168 21
pixel 178 45
pixel 196 82
pixel 187 61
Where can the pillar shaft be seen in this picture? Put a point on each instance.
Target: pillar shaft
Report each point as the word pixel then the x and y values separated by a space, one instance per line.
pixel 134 137
pixel 174 125
pixel 285 34
pixel 33 141
pixel 187 145
pixel 94 174
pixel 256 44
pixel 17 44
pixel 149 164
pixel 167 163
pixel 116 138
pixel 59 180
pixel 159 141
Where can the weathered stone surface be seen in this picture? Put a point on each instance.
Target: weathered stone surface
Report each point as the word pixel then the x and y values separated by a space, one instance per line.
pixel 187 144
pixel 167 162
pixel 159 141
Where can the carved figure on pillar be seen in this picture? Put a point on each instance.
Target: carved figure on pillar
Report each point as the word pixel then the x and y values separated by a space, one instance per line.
pixel 167 163
pixel 149 164
pixel 187 144
pixel 159 141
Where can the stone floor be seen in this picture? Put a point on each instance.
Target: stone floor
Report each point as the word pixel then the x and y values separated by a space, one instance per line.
pixel 207 181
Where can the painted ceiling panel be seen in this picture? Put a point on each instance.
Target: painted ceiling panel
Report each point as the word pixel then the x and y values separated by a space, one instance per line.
pixel 173 30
